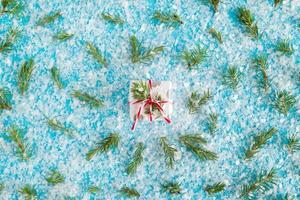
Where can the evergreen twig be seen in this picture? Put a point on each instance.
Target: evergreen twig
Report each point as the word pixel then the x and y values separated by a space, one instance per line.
pixel 24 75
pixel 63 36
pixel 5 103
pixel 96 54
pixel 169 18
pixel 112 18
pixel 88 99
pixel 277 2
pixel 55 177
pixel 284 101
pixel 140 90
pixel 261 64
pixel 136 160
pixel 7 44
pixel 93 189
pixel 215 188
pixel 55 75
pixel 194 57
pixel 212 123
pixel 12 7
pixel 171 187
pixel 285 47
pixel 216 34
pixel 58 126
pixel 169 152
pixel 29 192
pixel 195 101
pixel 293 144
pixel 215 4
pixel 129 192
pixel 232 77
pixel 49 18
pixel 246 18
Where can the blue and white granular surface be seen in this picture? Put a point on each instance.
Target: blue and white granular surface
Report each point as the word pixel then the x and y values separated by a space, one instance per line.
pixel 242 113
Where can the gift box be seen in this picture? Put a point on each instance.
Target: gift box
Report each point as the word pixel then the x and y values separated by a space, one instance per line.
pixel 150 100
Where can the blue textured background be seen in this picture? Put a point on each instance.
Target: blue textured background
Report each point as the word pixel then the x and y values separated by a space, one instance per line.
pixel 241 114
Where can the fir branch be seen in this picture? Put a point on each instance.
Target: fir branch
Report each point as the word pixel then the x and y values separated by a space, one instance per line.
pixel 129 192
pixel 48 19
pixel 261 65
pixel 139 54
pixel 293 144
pixel 12 7
pixel 277 2
pixel 7 44
pixel 215 4
pixel 63 36
pixel 246 18
pixel 5 102
pixel 259 141
pixel 171 187
pixel 104 145
pixel 169 18
pixel 29 192
pixel 169 152
pixel 264 182
pixel 212 123
pixel 55 177
pixel 112 18
pixel 285 47
pixel 284 101
pixel 94 189
pixel 58 126
pixel 194 57
pixel 24 75
pixel 232 77
pixel 215 188
pixel 216 34
pixel 15 135
pixel 55 76
pixel 140 90
pixel 192 143
pixel 195 101
pixel 96 54
pixel 136 160
pixel 88 99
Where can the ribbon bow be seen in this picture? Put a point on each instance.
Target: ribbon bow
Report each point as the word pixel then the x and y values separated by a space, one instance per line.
pixel 150 102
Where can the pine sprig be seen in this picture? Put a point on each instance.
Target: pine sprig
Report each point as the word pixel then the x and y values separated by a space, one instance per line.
pixel 284 101
pixel 29 192
pixel 216 34
pixel 55 76
pixel 129 192
pixel 171 187
pixel 259 141
pixel 104 145
pixel 260 64
pixel 5 103
pixel 168 18
pixel 55 177
pixel 139 54
pixel 246 18
pixel 94 189
pixel 277 2
pixel 214 4
pixel 212 123
pixel 140 90
pixel 89 100
pixel 285 47
pixel 48 19
pixel 293 144
pixel 15 135
pixel 24 75
pixel 59 126
pixel 194 57
pixel 112 18
pixel 264 182
pixel 196 101
pixel 12 7
pixel 96 54
pixel 7 44
pixel 232 77
pixel 169 152
pixel 136 160
pixel 193 142
pixel 63 36
pixel 215 188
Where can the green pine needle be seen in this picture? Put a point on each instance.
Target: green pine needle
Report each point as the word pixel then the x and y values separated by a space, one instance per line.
pixel 94 189
pixel 55 177
pixel 58 126
pixel 264 182
pixel 196 101
pixel 259 141
pixel 12 7
pixel 112 18
pixel 293 144
pixel 48 19
pixel 171 19
pixel 261 65
pixel 171 187
pixel 216 34
pixel 7 44
pixel 277 2
pixel 96 54
pixel 246 18
pixel 140 90
pixel 63 36
pixel 192 142
pixel 24 75
pixel 285 47
pixel 29 192
pixel 89 100
pixel 215 188
pixel 129 192
pixel 104 145
pixel 169 152
pixel 194 57
pixel 5 103
pixel 215 4
pixel 212 123
pixel 139 54
pixel 55 76
pixel 232 77
pixel 136 160
pixel 284 101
